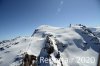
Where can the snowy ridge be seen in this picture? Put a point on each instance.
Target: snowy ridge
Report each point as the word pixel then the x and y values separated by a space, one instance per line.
pixel 49 42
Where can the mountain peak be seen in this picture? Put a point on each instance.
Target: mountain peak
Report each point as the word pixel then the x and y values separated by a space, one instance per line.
pixel 54 44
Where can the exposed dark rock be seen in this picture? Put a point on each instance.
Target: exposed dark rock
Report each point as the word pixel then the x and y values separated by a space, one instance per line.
pixel 1 49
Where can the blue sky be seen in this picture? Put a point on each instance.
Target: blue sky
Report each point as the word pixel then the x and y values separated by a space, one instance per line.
pixel 21 17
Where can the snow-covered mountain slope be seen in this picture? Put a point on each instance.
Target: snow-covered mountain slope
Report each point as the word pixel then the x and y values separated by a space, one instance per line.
pixel 96 30
pixel 76 45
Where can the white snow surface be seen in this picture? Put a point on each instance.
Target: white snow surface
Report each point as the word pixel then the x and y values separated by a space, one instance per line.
pixel 74 44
